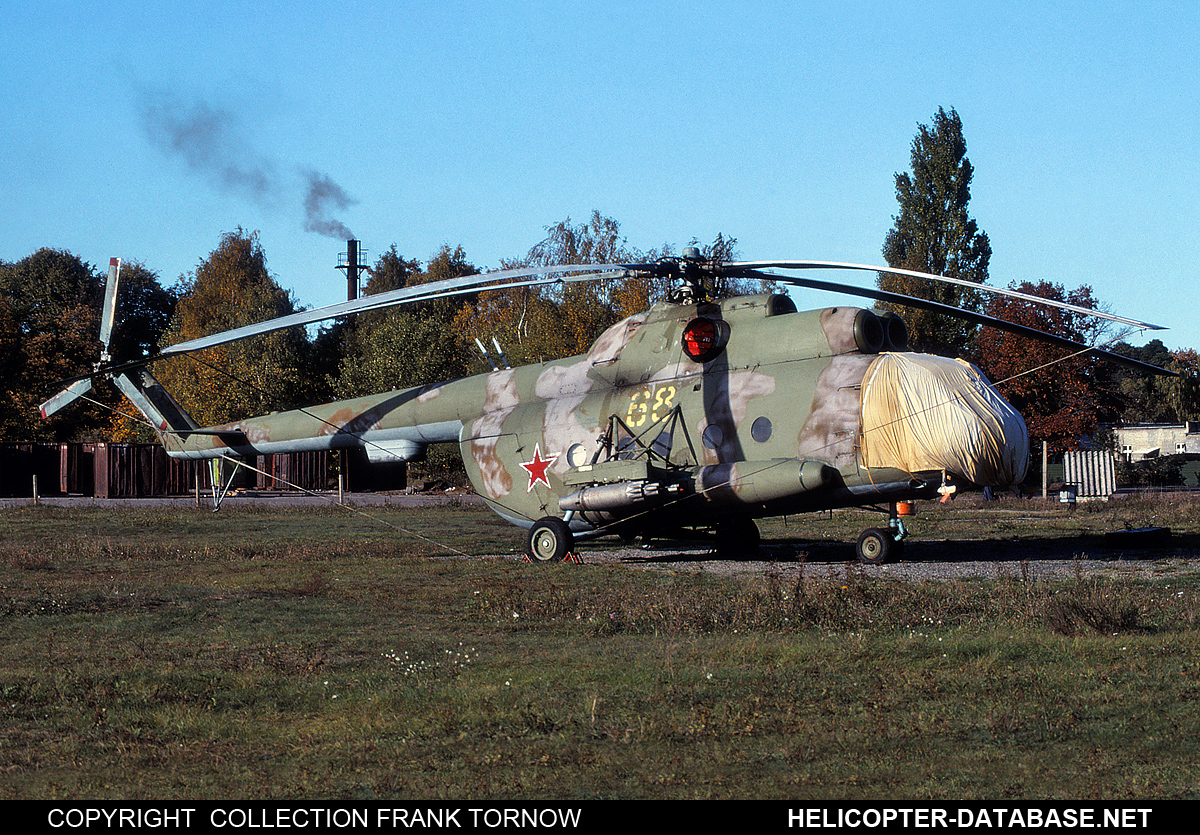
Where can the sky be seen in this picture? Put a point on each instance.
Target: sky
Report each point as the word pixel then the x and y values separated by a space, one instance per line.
pixel 147 132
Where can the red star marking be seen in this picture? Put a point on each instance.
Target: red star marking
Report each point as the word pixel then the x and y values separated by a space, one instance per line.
pixel 537 468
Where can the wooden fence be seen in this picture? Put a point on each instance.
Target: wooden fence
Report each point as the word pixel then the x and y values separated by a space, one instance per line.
pixel 125 471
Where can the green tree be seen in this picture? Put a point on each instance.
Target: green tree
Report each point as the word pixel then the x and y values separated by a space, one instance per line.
pixel 39 288
pixel 335 342
pixel 144 310
pixel 407 346
pixel 399 350
pixel 229 289
pixel 391 272
pixel 49 331
pixel 1145 398
pixel 933 233
pixel 49 316
pixel 1184 390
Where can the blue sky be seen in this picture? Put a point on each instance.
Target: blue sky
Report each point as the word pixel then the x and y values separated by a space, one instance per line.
pixel 781 124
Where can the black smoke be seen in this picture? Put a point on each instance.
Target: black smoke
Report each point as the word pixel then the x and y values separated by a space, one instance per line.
pixel 210 141
pixel 322 194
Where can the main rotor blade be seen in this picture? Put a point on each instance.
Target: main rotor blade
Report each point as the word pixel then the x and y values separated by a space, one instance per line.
pixel 959 313
pixel 838 265
pixel 405 295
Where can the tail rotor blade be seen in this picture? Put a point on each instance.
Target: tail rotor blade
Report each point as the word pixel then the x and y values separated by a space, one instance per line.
pixel 110 304
pixel 83 385
pixel 66 397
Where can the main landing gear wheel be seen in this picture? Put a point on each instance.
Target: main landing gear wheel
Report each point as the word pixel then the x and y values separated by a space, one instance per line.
pixel 877 546
pixel 550 540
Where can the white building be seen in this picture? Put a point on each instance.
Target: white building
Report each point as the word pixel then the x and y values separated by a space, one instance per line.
pixel 1153 440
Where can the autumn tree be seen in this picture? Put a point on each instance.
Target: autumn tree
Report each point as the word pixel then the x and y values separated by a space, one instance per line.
pixel 1062 396
pixel 933 233
pixel 541 323
pixel 406 346
pixel 49 331
pixel 545 323
pixel 585 308
pixel 229 289
pixel 49 315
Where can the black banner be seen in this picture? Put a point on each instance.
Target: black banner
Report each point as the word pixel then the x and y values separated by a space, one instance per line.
pixel 297 817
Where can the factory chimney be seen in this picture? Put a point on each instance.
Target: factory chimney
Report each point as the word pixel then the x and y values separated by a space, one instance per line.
pixel 348 261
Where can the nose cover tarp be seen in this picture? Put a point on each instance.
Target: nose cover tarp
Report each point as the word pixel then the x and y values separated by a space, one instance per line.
pixel 922 412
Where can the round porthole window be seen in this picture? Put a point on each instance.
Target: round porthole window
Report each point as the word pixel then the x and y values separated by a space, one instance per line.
pixel 760 430
pixel 713 436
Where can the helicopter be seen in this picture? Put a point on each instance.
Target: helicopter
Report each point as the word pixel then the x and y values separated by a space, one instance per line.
pixel 697 416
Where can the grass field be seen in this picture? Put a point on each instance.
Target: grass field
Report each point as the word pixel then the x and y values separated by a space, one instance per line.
pixel 267 653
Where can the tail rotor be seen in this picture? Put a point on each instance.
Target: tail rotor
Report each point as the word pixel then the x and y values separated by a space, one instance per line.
pixel 81 387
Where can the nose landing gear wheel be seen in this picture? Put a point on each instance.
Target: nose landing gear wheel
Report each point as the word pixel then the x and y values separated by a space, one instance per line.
pixel 877 546
pixel 550 540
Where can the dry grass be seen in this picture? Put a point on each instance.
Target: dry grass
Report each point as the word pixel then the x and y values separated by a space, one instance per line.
pixel 268 654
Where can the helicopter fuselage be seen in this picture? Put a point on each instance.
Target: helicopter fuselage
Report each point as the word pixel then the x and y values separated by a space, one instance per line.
pixel 684 415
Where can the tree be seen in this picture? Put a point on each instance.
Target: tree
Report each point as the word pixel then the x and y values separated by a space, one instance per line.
pixel 50 308
pixel 16 409
pixel 933 233
pixel 549 323
pixel 336 341
pixel 229 289
pixel 399 350
pixel 1062 397
pixel 391 272
pixel 49 316
pixel 1148 398
pixel 408 346
pixel 144 310
pixel 447 264
pixel 1144 398
pixel 599 241
pixel 585 308
pixel 1184 390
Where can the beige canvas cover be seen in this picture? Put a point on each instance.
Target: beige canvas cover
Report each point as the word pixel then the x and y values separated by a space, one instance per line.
pixel 922 412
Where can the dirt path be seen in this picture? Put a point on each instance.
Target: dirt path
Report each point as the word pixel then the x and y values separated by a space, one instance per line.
pixel 1032 558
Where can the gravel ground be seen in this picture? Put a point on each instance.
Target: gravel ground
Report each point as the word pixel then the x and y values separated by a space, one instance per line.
pixel 930 560
pixel 1032 557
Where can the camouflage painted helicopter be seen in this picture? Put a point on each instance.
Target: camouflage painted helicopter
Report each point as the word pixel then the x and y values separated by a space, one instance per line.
pixel 695 415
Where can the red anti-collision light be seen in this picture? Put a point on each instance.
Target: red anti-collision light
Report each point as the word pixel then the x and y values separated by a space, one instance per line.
pixel 701 339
